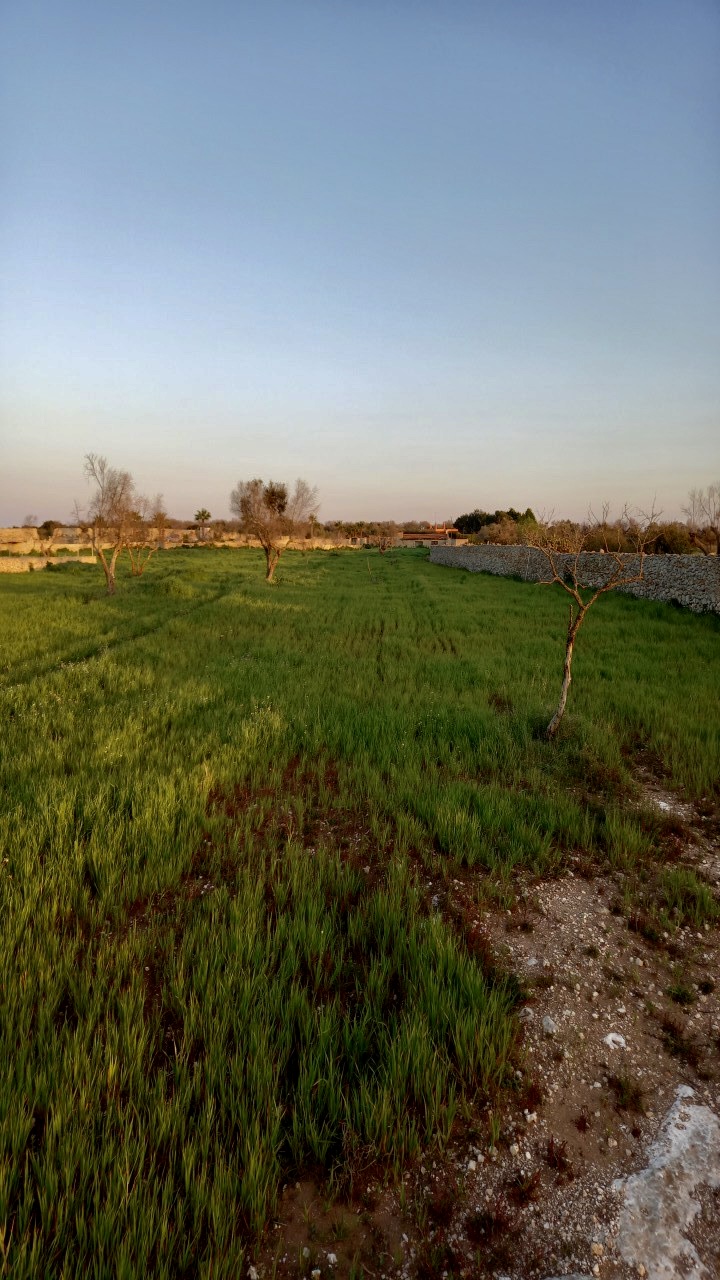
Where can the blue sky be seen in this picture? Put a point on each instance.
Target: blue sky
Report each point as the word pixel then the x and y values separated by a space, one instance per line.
pixel 428 256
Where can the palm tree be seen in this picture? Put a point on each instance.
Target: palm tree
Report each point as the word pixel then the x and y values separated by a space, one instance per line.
pixel 202 516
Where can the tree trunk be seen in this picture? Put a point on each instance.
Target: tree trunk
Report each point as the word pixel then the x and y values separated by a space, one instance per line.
pixel 272 556
pixel 573 628
pixel 108 570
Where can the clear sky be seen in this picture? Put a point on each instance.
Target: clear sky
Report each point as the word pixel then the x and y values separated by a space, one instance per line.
pixel 429 256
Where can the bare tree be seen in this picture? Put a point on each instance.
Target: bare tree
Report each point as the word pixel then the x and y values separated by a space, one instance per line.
pixel 703 513
pixel 384 536
pixel 141 540
pixel 108 513
pixel 267 512
pixel 159 517
pixel 585 576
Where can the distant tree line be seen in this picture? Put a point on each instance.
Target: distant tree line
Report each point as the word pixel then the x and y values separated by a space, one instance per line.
pixel 475 521
pixel 701 533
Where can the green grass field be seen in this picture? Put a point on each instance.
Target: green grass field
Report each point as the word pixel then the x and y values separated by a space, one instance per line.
pixel 220 800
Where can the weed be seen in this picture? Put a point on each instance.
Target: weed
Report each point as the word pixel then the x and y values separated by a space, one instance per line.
pixel 681 993
pixel 628 1093
pixel 523 1188
pixel 488 1223
pixel 556 1157
pixel 582 1122
pixel 494 1127
pixel 678 1043
pixel 641 922
pixel 687 898
pixel 436 1258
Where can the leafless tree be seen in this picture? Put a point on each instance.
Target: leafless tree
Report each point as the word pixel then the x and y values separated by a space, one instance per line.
pixel 584 576
pixel 159 517
pixel 108 513
pixel 703 513
pixel 384 536
pixel 142 539
pixel 267 512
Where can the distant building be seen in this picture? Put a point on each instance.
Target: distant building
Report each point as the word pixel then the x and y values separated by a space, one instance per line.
pixel 436 536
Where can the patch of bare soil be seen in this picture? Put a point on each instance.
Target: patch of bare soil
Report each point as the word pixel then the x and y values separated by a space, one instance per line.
pixel 696 825
pixel 614 1021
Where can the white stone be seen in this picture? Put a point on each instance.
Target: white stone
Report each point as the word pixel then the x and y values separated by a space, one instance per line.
pixel 614 1040
pixel 658 1203
pixel 549 1026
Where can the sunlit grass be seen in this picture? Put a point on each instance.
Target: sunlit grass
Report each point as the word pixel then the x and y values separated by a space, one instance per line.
pixel 219 964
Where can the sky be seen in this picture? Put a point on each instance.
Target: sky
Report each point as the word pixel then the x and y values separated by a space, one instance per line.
pixel 427 255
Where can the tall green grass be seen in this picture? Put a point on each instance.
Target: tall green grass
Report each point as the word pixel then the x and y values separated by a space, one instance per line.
pixel 219 961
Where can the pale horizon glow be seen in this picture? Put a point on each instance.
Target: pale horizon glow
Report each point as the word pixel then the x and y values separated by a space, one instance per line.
pixel 428 257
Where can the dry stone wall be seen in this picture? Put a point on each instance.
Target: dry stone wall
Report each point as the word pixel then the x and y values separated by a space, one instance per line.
pixel 27 564
pixel 691 581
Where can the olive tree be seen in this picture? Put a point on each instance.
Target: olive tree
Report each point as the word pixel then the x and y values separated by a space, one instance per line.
pixel 119 518
pixel 587 575
pixel 269 513
pixel 109 512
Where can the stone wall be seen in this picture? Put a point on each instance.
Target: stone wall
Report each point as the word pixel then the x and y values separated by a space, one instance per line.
pixel 691 581
pixel 23 541
pixel 26 564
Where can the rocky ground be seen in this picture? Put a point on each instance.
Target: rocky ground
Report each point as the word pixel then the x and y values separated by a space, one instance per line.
pixel 605 1159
